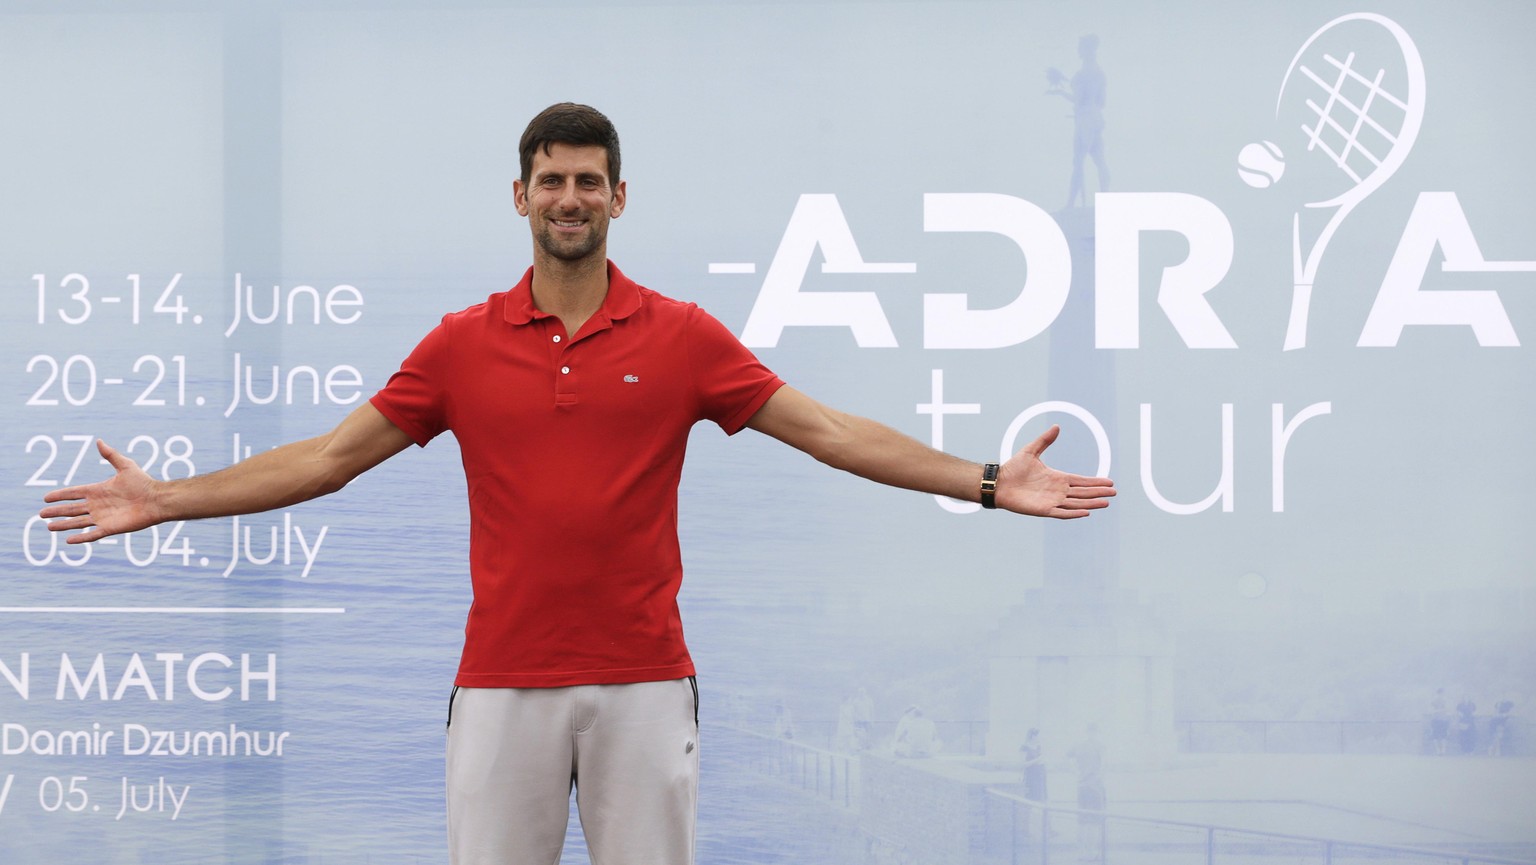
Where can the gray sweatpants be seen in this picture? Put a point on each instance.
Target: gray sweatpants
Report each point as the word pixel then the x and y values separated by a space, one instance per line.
pixel 630 751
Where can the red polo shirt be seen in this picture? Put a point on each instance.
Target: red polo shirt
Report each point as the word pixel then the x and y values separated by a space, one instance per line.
pixel 573 447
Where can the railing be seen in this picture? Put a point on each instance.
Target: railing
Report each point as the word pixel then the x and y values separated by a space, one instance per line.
pixel 955 737
pixel 827 775
pixel 1023 832
pixel 1338 737
pixel 1297 737
pixel 1200 736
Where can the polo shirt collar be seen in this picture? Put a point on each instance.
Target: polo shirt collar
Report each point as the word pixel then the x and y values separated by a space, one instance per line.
pixel 622 299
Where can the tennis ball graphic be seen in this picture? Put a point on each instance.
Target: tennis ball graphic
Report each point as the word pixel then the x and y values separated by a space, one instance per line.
pixel 1260 164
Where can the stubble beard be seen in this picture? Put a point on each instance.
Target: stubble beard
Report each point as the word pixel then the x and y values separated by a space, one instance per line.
pixel 576 250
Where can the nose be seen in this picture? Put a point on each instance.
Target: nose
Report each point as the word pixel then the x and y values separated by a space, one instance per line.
pixel 568 199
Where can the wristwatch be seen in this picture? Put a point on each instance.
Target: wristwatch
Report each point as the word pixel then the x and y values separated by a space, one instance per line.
pixel 989 486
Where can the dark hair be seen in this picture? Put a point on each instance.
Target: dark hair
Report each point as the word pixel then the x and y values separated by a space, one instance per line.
pixel 569 123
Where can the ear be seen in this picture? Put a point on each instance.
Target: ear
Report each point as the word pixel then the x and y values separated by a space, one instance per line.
pixel 616 207
pixel 520 197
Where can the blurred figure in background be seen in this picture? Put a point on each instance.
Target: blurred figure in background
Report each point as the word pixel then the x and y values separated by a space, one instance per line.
pixel 1086 91
pixel 1091 795
pixel 1466 725
pixel 846 736
pixel 1439 722
pixel 1034 766
pixel 863 717
pixel 783 724
pixel 916 735
pixel 1498 727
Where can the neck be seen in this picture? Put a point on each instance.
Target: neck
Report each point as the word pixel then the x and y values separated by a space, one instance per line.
pixel 570 290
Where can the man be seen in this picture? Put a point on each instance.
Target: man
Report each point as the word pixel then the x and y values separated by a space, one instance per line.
pixel 1091 796
pixel 1439 722
pixel 916 735
pixel 1034 766
pixel 571 396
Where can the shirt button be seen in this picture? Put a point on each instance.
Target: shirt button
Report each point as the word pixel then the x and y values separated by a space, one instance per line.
pixel 565 370
pixel 557 337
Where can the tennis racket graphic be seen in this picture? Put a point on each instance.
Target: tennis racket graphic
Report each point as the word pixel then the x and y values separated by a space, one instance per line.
pixel 1357 117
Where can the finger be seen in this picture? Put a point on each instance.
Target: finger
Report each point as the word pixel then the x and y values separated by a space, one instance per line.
pixel 1065 514
pixel 1081 504
pixel 1086 481
pixel 72 509
pixel 87 537
pixel 64 494
pixel 71 523
pixel 111 455
pixel 1038 446
pixel 1092 492
pixel 75 493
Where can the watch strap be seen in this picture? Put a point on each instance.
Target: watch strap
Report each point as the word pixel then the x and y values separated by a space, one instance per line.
pixel 989 486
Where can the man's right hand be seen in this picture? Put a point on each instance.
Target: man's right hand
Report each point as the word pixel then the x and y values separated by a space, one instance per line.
pixel 122 503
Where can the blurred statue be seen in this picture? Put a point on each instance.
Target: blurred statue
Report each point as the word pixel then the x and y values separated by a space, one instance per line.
pixel 1086 92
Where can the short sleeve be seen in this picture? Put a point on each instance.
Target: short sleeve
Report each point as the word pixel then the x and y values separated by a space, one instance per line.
pixel 415 398
pixel 732 383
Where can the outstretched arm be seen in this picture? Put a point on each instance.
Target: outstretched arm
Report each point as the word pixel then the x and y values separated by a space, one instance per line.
pixel 873 450
pixel 296 472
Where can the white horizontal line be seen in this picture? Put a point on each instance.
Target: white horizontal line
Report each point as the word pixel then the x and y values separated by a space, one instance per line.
pixel 180 610
pixel 871 267
pixel 732 267
pixel 1489 267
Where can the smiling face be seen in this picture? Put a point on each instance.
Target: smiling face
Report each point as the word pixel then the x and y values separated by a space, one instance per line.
pixel 569 199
